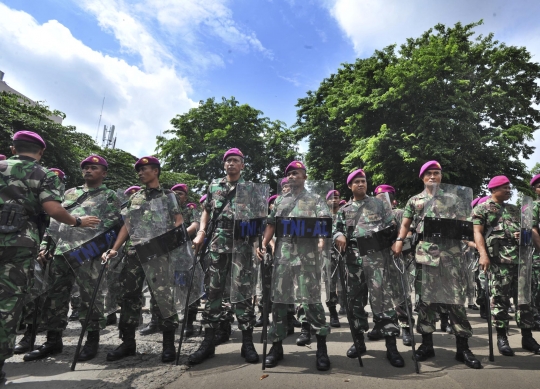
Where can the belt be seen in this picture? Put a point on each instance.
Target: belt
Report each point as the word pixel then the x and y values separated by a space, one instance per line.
pixel 225 224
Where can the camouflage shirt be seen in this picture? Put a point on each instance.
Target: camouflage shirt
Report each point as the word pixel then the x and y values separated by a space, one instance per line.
pixel 25 181
pixel 222 238
pixel 504 226
pixel 308 205
pixel 398 215
pixel 536 223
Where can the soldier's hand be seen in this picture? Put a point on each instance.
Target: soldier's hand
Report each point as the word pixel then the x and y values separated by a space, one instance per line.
pixel 516 235
pixel 89 221
pixel 397 247
pixel 42 257
pixel 484 262
pixel 320 246
pixel 341 243
pixel 261 252
pixel 108 254
pixel 198 241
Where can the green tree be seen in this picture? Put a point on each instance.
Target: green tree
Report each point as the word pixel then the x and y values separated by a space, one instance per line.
pixel 201 136
pixel 468 102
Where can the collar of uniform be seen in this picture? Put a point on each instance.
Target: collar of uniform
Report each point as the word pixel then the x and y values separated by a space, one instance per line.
pixel 224 181
pixel 149 190
pixel 84 188
pixel 363 200
pixel 23 158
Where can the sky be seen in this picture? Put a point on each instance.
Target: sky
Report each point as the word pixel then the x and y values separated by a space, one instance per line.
pixel 154 59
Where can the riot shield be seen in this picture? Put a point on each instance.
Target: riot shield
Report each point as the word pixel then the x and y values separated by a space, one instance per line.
pixel 525 252
pixel 303 229
pixel 440 252
pixel 82 247
pixel 249 222
pixel 40 281
pixel 164 251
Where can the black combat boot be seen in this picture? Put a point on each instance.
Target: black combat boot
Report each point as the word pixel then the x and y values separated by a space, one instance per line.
pixel 91 346
pixel 189 330
pixel 52 346
pixel 352 352
pixel 223 333
pixel 392 353
pixel 334 319
pixel 128 346
pixel 248 349
pixel 274 355
pixel 74 315
pixel 24 344
pixel 169 349
pixel 464 354
pixel 111 319
pixel 425 350
pixel 502 343
pixel 473 306
pixel 375 334
pixel 206 349
pixel 2 372
pixel 323 362
pixel 305 335
pixel 151 328
pixel 406 336
pixel 483 311
pixel 342 310
pixel 528 342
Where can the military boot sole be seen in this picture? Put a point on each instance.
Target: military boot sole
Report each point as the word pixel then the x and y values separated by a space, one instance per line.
pixel 35 355
pixel 323 365
pixel 197 361
pixel 116 357
pixel 87 357
pixel 420 357
pixel 254 358
pixel 475 364
pixel 273 361
pixel 395 359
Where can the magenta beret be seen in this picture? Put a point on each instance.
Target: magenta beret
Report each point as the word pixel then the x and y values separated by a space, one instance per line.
pixel 430 165
pixel 483 200
pixel 202 199
pixel 342 202
pixel 475 202
pixel 180 187
pixel 271 199
pixel 29 136
pixel 498 181
pixel 535 179
pixel 233 151
pixel 284 181
pixel 294 165
pixel 356 173
pixel 58 172
pixel 94 160
pixel 2 157
pixel 332 193
pixel 384 189
pixel 146 161
pixel 191 205
pixel 132 189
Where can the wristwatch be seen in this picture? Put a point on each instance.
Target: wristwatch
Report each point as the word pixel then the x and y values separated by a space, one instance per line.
pixel 398 239
pixel 78 222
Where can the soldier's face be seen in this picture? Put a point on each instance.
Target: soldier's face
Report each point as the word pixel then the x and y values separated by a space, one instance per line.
pixel 358 186
pixel 333 202
pixel 537 189
pixel 233 165
pixel 285 189
pixel 503 192
pixel 296 178
pixel 93 173
pixel 432 177
pixel 182 196
pixel 147 174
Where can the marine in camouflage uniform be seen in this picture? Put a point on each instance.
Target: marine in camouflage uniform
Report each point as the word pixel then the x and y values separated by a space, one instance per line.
pixel 332 199
pixel 497 226
pixel 426 252
pixel 535 282
pixel 56 305
pixel 360 216
pixel 31 189
pixel 220 261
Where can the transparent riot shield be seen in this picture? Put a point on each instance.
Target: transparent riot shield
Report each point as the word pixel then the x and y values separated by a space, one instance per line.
pixel 525 252
pixel 82 247
pixel 40 281
pixel 303 229
pixel 249 222
pixel 472 267
pixel 443 223
pixel 164 251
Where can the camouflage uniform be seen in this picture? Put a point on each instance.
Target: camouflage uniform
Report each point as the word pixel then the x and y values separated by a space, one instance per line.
pixel 56 305
pixel 220 256
pixel 132 275
pixel 31 185
pixel 353 220
pixel 429 253
pixel 504 267
pixel 535 287
pixel 287 249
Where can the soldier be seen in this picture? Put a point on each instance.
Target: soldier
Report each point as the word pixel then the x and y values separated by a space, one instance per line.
pixel 56 305
pixel 220 202
pixel 427 252
pixel 2 157
pixel 31 190
pixel 497 229
pixel 296 201
pixel 535 283
pixel 353 219
pixel 332 199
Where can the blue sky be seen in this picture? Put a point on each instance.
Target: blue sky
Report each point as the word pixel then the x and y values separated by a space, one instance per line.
pixel 152 59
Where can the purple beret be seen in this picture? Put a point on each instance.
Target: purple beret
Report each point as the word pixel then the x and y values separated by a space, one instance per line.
pixel 498 181
pixel 332 193
pixel 58 172
pixel 342 202
pixel 384 189
pixel 356 173
pixel 483 199
pixel 29 136
pixel 233 151
pixel 146 161
pixel 284 181
pixel 430 165
pixel 94 160
pixel 191 205
pixel 295 165
pixel 132 189
pixel 475 202
pixel 535 179
pixel 202 199
pixel 271 199
pixel 180 187
pixel 2 157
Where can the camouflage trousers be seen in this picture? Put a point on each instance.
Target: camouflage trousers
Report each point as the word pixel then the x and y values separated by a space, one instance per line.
pixel 504 285
pixel 131 281
pixel 480 287
pixel 356 299
pixel 218 273
pixel 535 290
pixel 312 313
pixel 15 269
pixel 56 305
pixel 334 285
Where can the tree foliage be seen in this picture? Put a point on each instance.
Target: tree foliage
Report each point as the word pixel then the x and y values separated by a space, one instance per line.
pixel 466 101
